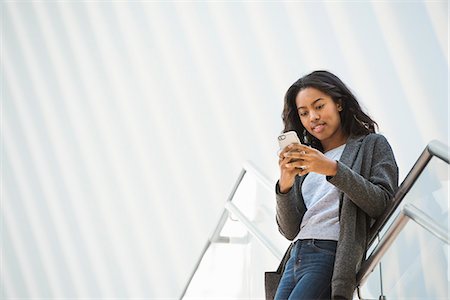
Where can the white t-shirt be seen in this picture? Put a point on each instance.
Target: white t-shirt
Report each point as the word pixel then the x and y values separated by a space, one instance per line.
pixel 321 220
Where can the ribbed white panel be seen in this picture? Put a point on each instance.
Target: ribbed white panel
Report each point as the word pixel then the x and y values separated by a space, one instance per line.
pixel 199 48
pixel 309 44
pixel 438 14
pixel 53 271
pixel 125 124
pixel 17 271
pixel 405 64
pixel 228 21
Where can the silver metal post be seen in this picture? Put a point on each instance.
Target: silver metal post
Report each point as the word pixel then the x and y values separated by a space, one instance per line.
pixel 205 248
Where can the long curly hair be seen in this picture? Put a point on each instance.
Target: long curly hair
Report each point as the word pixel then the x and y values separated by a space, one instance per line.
pixel 353 119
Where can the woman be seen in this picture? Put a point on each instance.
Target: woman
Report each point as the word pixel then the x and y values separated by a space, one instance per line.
pixel 330 189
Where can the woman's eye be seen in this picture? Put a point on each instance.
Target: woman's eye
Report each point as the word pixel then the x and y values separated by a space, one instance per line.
pixel 303 114
pixel 320 106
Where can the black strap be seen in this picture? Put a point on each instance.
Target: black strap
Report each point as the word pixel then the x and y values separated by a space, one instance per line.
pixel 284 260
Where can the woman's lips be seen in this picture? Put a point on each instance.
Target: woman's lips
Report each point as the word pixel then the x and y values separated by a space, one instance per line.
pixel 319 128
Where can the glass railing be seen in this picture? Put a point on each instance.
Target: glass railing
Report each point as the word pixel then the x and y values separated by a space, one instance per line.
pixel 414 245
pixel 415 266
pixel 246 242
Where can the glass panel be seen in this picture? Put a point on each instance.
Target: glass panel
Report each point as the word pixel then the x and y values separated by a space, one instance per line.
pixel 257 202
pixel 416 265
pixel 236 270
pixel 430 192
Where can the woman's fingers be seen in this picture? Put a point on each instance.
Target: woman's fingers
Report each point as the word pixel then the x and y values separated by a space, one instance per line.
pixel 284 151
pixel 291 166
pixel 302 172
pixel 296 167
pixel 284 162
pixel 297 164
pixel 302 153
pixel 299 147
pixel 295 159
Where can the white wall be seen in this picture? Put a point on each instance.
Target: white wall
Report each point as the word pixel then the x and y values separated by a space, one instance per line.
pixel 125 124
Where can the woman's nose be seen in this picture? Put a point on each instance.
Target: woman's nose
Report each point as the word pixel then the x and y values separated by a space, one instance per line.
pixel 313 116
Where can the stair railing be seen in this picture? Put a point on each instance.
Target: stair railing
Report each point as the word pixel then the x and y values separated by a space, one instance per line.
pixel 409 212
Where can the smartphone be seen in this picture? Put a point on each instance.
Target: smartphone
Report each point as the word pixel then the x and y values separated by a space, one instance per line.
pixel 288 138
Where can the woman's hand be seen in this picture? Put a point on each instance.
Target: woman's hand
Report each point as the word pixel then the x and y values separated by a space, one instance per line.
pixel 287 172
pixel 297 159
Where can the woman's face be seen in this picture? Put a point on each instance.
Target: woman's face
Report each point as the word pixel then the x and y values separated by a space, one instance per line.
pixel 319 115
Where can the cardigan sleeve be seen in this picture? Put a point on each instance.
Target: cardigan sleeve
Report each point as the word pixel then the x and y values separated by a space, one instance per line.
pixel 371 194
pixel 289 211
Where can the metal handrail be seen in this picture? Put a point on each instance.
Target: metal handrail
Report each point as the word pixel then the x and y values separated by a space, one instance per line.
pixel 409 212
pixel 434 148
pixel 426 222
pixel 370 263
pixel 254 230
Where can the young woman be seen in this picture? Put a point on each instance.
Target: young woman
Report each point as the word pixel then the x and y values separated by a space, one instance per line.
pixel 331 187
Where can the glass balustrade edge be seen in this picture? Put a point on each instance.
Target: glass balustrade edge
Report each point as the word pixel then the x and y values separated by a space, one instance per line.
pixel 434 148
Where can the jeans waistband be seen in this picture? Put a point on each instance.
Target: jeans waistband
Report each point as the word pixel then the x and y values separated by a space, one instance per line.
pixel 315 241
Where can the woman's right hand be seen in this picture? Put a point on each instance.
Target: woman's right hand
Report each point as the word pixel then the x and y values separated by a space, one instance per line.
pixel 287 172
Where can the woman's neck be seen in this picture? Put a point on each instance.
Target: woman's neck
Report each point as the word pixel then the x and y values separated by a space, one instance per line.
pixel 335 142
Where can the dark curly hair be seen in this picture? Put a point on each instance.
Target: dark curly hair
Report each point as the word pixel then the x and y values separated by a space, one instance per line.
pixel 353 119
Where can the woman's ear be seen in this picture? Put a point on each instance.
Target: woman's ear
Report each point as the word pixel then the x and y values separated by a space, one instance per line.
pixel 339 105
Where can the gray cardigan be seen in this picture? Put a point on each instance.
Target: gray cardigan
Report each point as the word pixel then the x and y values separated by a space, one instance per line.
pixel 367 177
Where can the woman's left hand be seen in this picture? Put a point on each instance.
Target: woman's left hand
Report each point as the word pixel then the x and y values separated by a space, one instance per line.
pixel 308 159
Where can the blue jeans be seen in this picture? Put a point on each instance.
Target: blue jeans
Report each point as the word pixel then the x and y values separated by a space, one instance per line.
pixel 308 271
